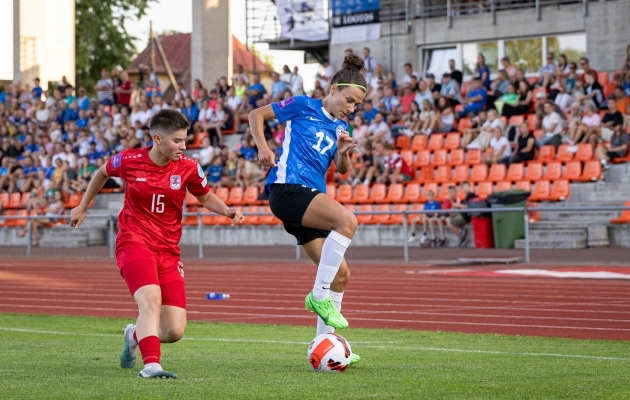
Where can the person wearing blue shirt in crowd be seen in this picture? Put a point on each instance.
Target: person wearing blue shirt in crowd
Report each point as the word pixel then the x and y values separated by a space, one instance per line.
pixel 83 100
pixel 247 151
pixel 428 221
pixel 475 99
pixel 369 112
pixel 482 71
pixel 277 87
pixel 29 145
pixel 314 137
pixel 256 91
pixel 37 91
pixel 215 171
pixel 83 120
pixel 93 154
pixel 190 110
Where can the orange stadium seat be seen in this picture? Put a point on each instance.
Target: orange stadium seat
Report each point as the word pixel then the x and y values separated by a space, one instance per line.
pixel 546 153
pixel 515 172
pixel 524 185
pixel 461 173
pixel 210 219
pixel 253 219
pixel 541 192
pixel 74 200
pixel 236 196
pixel 442 174
pixel 573 170
pixel 564 154
pixel 503 185
pixel 412 193
pixel 624 218
pixel 553 171
pixel 497 173
pixel 479 173
pixel 397 219
pixel 191 220
pixel 439 157
pixel 592 171
pixel 331 190
pixel 534 171
pixel 452 141
pixel 25 197
pixel 395 193
pixel 473 156
pixel 223 194
pixel 609 89
pixel 227 221
pixel 603 78
pixel 516 119
pixel 407 156
pixel 383 219
pixel 531 122
pixel 584 152
pixel 424 174
pixel 251 196
pixel 415 207
pixel 365 219
pixel 269 219
pixel 344 195
pixel 378 193
pixel 361 194
pixel 419 142
pixel 15 200
pixel 484 189
pixel 10 213
pixel 456 157
pixel 442 192
pixel 425 189
pixel 560 191
pixel 436 141
pixel 191 200
pixel 423 158
pixel 464 123
pixel 4 200
pixel 403 142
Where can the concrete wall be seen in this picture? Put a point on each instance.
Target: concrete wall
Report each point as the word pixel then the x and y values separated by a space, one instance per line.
pixel 605 26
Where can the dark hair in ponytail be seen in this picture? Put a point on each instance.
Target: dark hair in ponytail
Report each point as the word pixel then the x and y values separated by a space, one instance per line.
pixel 350 73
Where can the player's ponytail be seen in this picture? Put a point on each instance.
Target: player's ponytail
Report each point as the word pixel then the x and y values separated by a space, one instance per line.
pixel 350 73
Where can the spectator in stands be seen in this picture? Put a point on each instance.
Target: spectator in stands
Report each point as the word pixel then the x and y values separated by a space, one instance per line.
pixel 297 83
pixel 546 75
pixel 475 99
pixel 396 169
pixel 525 97
pixel 457 221
pixel 509 68
pixel 378 78
pixel 249 173
pixel 443 120
pixel 204 116
pixel 611 124
pixel 286 75
pixel 501 149
pixel 456 75
pixel 391 105
pixel 206 153
pixel 221 120
pixel 433 86
pixel 593 91
pixel 105 89
pixel 370 64
pixel 84 175
pixel 552 126
pixel 480 138
pixel 214 172
pixel 621 99
pixel 366 161
pixel 429 220
pixel 369 112
pixel 509 97
pixel 482 71
pixel 39 204
pixel 471 133
pixel 256 91
pixel 240 88
pixel 379 130
pixel 324 77
pixel 618 148
pixel 586 67
pixel 406 98
pixel 190 110
pixel 591 118
pixel 424 94
pixel 124 91
pixel 409 72
pixel 277 87
pixel 499 86
pixel 359 130
pixel 426 116
pixel 450 90
pixel 247 150
pixel 525 146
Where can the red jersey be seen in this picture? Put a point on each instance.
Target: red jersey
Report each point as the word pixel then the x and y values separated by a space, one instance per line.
pixel 154 197
pixel 125 98
pixel 396 161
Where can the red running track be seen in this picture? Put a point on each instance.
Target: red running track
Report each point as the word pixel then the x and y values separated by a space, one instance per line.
pixel 378 296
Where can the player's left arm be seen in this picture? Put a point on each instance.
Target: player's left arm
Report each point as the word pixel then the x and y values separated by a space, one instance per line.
pixel 213 203
pixel 342 155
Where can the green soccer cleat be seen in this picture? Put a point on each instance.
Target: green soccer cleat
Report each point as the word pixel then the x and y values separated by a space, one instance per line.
pixel 354 359
pixel 146 373
pixel 326 311
pixel 128 355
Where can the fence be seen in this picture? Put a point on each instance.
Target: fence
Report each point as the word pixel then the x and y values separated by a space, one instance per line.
pixel 405 214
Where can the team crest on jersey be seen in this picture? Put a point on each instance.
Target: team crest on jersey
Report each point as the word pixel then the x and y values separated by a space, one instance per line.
pixel 286 102
pixel 339 130
pixel 200 171
pixel 116 160
pixel 176 182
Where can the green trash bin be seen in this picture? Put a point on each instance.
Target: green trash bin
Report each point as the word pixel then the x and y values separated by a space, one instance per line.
pixel 508 226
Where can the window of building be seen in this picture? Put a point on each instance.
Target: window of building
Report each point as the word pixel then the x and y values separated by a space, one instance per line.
pixel 470 51
pixel 526 53
pixel 573 46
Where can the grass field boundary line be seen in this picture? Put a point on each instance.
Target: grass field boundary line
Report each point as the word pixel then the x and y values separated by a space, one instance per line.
pixel 288 342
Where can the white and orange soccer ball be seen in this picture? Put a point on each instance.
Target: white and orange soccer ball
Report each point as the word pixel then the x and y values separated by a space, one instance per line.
pixel 329 352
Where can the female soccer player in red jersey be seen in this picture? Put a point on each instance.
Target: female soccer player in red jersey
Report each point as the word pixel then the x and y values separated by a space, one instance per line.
pixel 314 137
pixel 147 245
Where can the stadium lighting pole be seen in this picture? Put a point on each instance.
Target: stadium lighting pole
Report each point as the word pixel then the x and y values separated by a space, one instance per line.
pixel 526 214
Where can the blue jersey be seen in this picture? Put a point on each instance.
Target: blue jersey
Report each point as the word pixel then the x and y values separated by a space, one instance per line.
pixel 309 144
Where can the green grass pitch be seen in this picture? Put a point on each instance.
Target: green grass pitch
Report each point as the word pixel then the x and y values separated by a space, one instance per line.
pixel 77 357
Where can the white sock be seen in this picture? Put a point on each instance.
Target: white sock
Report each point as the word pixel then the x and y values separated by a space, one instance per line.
pixel 153 367
pixel 332 255
pixel 321 325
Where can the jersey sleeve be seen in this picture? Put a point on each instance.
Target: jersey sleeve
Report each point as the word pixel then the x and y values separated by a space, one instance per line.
pixel 114 166
pixel 289 108
pixel 197 183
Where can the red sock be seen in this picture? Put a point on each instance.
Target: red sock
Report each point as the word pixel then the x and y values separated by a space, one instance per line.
pixel 150 349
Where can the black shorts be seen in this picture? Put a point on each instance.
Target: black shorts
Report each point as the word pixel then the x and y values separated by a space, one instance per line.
pixel 612 155
pixel 288 202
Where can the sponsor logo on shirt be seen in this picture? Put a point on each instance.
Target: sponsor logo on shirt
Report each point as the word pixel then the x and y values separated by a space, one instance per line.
pixel 176 182
pixel 180 268
pixel 200 171
pixel 116 160
pixel 286 102
pixel 141 179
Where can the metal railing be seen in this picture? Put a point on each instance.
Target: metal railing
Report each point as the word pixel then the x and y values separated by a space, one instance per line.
pixel 405 228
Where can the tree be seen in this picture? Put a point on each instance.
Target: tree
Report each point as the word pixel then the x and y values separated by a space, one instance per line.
pixel 101 40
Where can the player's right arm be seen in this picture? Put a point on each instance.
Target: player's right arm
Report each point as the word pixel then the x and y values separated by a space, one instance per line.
pixel 257 120
pixel 77 215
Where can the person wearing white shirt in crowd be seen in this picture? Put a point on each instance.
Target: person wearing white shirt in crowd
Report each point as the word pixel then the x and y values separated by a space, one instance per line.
pixel 145 114
pixel 552 124
pixel 297 83
pixel 240 74
pixel 501 149
pixel 370 64
pixel 409 72
pixel 55 132
pixel 135 114
pixel 205 114
pixel 231 101
pixel 286 75
pixel 158 104
pixel 324 79
pixel 206 153
pixel 379 130
pixel 424 94
pixel 181 92
pixel 481 139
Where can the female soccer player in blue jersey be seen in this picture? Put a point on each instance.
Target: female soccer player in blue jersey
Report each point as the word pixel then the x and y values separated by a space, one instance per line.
pixel 314 136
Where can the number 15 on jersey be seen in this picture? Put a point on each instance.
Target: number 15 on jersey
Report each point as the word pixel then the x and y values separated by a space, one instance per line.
pixel 157 203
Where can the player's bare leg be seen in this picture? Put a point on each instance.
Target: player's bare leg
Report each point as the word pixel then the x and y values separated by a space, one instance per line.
pixel 172 324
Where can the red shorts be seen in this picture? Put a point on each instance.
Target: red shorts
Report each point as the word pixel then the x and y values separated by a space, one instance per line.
pixel 141 266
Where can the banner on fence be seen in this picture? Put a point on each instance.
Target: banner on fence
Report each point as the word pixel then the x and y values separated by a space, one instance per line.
pixel 303 20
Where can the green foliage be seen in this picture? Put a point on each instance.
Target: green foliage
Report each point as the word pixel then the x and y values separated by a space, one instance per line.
pixel 77 358
pixel 526 54
pixel 101 40
pixel 553 44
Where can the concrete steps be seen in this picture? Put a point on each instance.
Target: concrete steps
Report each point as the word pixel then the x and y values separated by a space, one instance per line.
pixel 551 244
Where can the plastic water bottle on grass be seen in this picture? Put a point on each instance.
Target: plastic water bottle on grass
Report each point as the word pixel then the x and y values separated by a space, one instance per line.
pixel 217 296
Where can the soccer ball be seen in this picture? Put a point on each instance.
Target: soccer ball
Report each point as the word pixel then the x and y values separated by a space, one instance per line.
pixel 329 352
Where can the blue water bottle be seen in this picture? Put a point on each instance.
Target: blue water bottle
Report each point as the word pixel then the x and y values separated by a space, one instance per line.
pixel 217 296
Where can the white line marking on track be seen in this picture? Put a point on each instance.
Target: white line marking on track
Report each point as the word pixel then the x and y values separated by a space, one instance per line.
pixel 366 345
